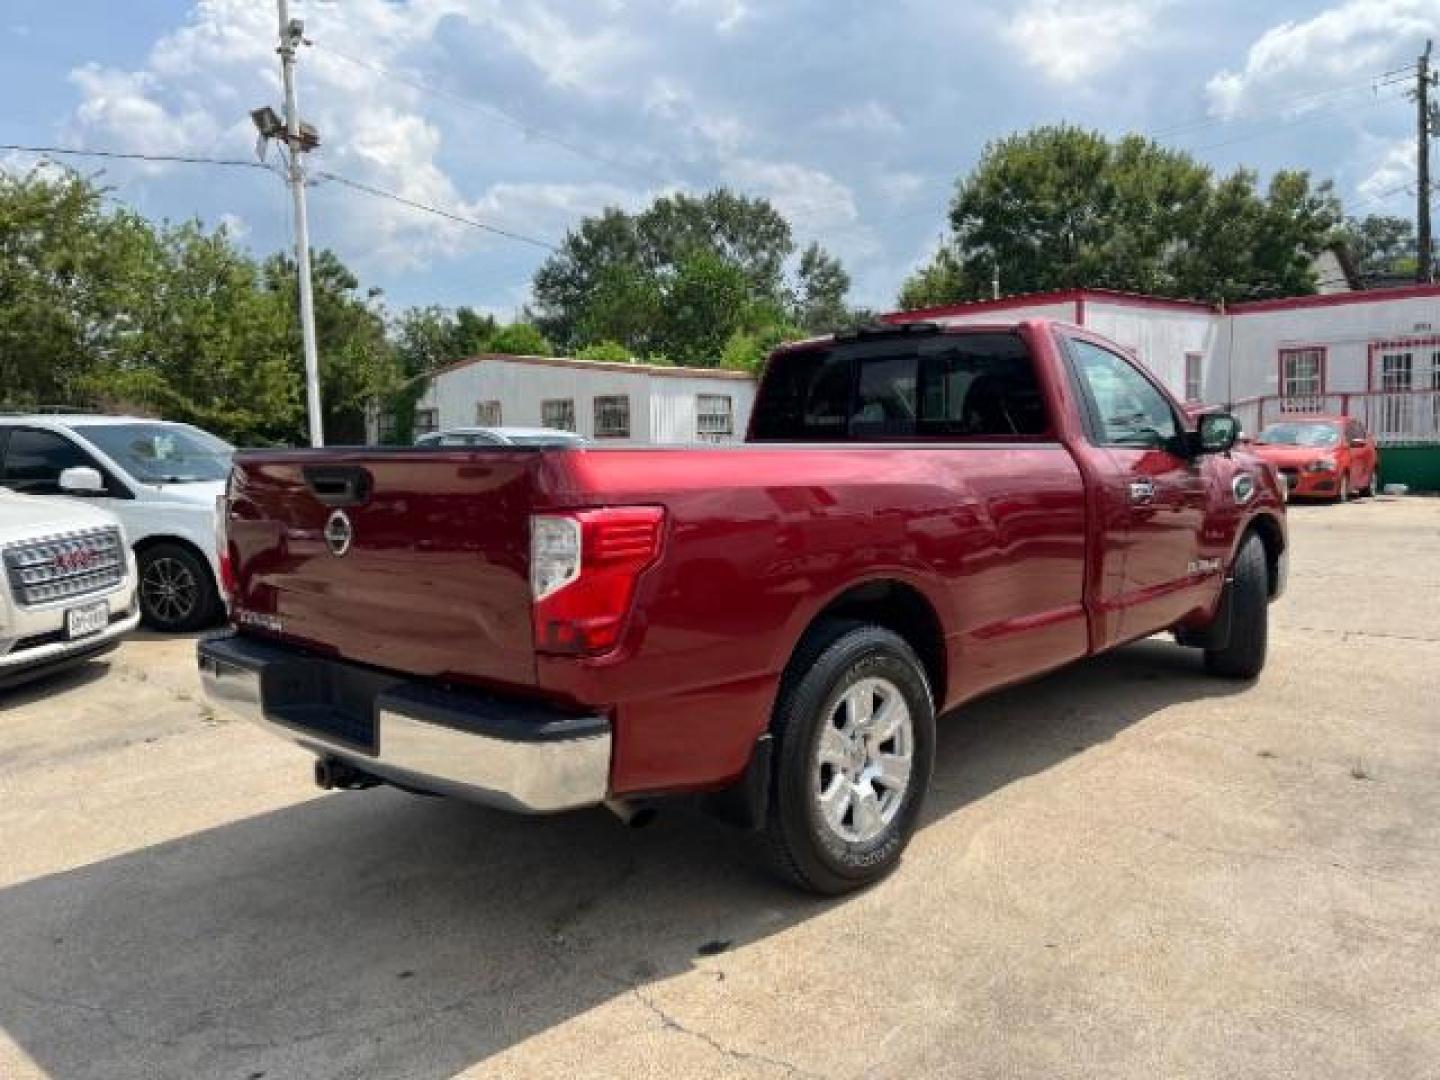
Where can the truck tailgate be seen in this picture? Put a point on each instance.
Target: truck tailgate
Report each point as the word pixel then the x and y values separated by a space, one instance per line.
pixel 434 579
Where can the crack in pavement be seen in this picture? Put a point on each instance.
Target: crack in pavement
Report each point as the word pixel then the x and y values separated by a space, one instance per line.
pixel 669 1023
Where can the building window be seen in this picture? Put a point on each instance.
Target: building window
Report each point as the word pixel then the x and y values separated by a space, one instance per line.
pixel 487 413
pixel 1397 371
pixel 1194 377
pixel 426 421
pixel 558 413
pixel 612 417
pixel 714 417
pixel 1302 372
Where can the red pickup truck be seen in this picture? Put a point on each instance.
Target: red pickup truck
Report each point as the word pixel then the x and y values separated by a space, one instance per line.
pixel 920 514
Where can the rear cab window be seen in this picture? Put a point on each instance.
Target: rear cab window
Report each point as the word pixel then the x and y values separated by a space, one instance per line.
pixel 944 386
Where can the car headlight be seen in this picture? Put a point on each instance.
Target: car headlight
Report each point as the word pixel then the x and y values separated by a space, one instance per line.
pixel 1321 465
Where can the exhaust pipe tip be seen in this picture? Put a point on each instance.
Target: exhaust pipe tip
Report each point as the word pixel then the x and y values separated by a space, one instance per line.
pixel 633 814
pixel 332 773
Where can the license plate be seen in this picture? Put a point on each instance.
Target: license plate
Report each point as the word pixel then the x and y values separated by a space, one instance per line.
pixel 84 621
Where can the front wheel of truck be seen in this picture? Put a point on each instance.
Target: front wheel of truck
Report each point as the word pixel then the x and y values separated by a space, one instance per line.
pixel 1243 656
pixel 855 746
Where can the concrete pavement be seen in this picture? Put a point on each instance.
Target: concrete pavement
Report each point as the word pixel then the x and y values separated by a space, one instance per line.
pixel 1127 869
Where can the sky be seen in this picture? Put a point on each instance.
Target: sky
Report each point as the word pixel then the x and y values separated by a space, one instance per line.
pixel 854 118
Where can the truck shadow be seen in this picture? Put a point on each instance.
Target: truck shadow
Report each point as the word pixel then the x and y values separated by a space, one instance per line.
pixel 382 934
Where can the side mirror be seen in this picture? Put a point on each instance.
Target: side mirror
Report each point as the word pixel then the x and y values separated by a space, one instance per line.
pixel 1357 444
pixel 82 480
pixel 1217 433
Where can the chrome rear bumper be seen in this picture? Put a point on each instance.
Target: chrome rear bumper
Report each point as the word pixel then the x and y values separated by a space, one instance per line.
pixel 514 755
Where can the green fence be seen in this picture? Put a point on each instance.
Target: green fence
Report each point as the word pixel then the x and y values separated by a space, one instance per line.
pixel 1416 466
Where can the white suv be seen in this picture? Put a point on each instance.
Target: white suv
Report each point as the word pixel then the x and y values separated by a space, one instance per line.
pixel 159 478
pixel 67 585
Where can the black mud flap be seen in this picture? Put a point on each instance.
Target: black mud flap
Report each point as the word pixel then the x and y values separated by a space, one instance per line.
pixel 1217 634
pixel 744 803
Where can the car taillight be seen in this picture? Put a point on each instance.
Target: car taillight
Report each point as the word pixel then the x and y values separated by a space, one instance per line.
pixel 583 568
pixel 222 548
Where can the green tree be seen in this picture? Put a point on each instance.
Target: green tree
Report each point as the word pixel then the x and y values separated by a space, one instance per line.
pixel 207 344
pixel 821 288
pixel 358 365
pixel 611 351
pixel 520 339
pixel 73 274
pixel 681 277
pixel 746 350
pixel 1380 244
pixel 1060 207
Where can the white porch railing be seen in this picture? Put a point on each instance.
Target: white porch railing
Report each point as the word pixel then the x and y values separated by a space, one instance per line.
pixel 1394 417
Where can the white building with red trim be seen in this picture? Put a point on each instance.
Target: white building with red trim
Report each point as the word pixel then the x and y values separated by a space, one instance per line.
pixel 611 403
pixel 1374 355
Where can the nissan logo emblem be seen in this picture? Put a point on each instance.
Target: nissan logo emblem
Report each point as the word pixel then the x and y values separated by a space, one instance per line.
pixel 338 533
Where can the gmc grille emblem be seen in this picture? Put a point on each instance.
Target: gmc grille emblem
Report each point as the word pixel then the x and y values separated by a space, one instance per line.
pixel 338 533
pixel 72 561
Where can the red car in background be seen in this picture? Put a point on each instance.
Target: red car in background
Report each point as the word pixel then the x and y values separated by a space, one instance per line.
pixel 1328 457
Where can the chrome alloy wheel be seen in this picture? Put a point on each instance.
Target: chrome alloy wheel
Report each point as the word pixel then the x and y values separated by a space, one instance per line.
pixel 863 760
pixel 169 590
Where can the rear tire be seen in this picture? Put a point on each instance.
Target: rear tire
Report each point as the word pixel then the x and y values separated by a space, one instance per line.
pixel 177 590
pixel 854 728
pixel 1243 657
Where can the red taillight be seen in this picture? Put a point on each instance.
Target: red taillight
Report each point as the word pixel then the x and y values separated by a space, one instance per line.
pixel 583 569
pixel 222 548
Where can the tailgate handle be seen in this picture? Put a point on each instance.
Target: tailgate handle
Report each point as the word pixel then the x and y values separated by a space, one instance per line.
pixel 338 485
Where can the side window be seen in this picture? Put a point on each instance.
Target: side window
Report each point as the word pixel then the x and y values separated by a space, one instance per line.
pixel 981 386
pixel 1127 408
pixel 35 459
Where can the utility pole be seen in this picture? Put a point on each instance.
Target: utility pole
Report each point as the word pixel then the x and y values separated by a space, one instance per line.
pixel 291 34
pixel 1425 123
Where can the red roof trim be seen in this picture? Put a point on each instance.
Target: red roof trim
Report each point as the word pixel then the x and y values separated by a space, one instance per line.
pixel 1370 296
pixel 662 371
pixel 1076 297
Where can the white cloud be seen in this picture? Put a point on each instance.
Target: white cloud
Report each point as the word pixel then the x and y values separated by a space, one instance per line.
pixel 1070 41
pixel 198 83
pixel 809 197
pixel 1387 180
pixel 235 225
pixel 868 118
pixel 1344 45
pixel 707 131
pixel 725 15
pixel 901 186
pixel 128 105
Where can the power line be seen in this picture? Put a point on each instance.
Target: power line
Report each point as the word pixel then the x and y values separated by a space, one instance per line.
pixel 1309 119
pixel 381 193
pixel 240 163
pixel 1281 104
pixel 172 159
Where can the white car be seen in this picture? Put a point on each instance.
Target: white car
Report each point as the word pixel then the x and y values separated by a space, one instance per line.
pixel 501 436
pixel 160 479
pixel 68 588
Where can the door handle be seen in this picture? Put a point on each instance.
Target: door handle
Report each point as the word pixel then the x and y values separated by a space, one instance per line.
pixel 1142 492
